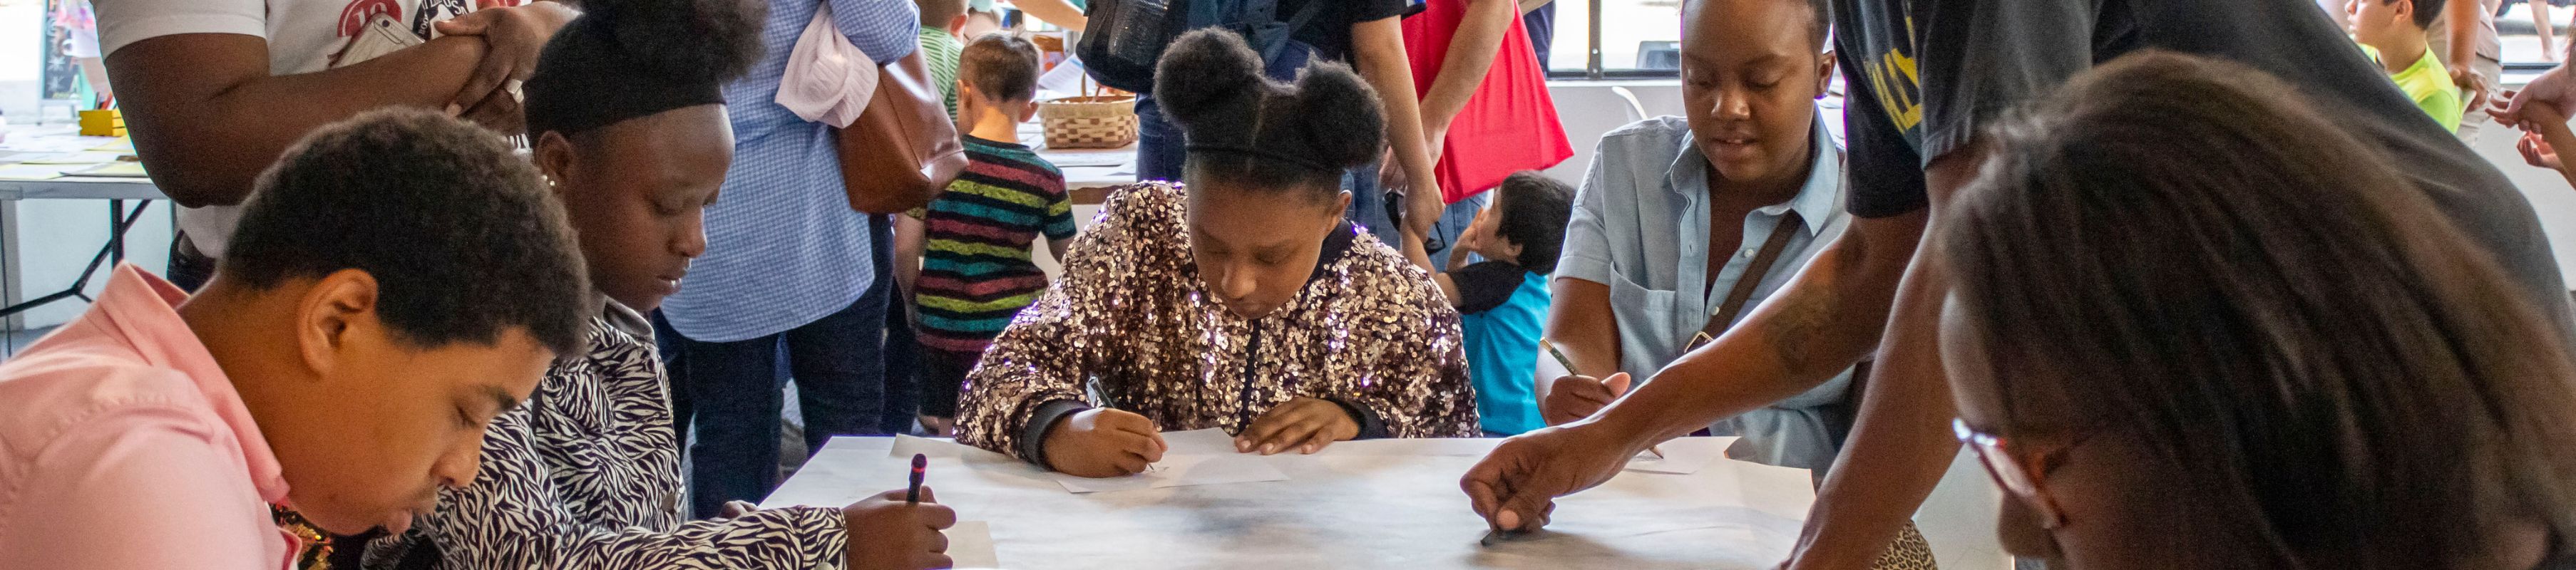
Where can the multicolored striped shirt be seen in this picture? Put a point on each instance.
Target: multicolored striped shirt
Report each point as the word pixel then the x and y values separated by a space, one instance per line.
pixel 975 269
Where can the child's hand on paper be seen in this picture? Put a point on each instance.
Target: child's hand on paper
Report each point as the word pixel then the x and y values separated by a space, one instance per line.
pixel 1103 442
pixel 1303 424
pixel 888 534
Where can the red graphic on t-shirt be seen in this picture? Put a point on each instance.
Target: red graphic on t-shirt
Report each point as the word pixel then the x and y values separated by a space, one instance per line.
pixel 354 17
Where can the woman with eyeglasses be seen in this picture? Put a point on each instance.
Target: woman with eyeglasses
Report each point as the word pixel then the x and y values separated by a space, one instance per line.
pixel 2196 324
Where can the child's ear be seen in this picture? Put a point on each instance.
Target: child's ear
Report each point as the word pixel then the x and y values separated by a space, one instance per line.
pixel 1028 109
pixel 331 314
pixel 957 25
pixel 554 156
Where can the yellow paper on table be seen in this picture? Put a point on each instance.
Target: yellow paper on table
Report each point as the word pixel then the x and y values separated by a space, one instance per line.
pixel 122 145
pixel 112 169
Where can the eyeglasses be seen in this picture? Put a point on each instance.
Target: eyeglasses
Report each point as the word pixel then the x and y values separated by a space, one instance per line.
pixel 2025 480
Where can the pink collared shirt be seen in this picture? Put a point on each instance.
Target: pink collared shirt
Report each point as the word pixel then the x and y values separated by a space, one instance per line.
pixel 122 445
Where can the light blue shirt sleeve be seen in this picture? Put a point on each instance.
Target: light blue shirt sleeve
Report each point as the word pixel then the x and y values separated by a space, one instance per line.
pixel 1586 253
pixel 886 30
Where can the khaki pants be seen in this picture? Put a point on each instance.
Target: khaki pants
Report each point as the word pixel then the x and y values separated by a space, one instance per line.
pixel 2474 118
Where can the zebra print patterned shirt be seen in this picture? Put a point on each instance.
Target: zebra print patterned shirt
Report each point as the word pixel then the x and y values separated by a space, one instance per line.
pixel 586 475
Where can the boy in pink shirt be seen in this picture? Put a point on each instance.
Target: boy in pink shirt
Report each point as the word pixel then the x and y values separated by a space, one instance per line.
pixel 397 281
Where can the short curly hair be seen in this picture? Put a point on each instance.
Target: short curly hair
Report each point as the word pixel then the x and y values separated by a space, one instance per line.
pixel 460 234
pixel 1000 66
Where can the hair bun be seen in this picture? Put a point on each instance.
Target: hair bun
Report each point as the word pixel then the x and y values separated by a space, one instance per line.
pixel 1207 74
pixel 1358 128
pixel 714 40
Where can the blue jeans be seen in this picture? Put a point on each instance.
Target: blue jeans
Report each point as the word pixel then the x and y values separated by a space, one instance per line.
pixel 1369 209
pixel 1159 148
pixel 731 394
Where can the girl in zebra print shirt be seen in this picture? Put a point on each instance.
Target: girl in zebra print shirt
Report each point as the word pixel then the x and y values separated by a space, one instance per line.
pixel 631 130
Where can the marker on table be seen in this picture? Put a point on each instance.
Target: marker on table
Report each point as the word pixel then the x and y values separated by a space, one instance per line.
pixel 920 463
pixel 1568 363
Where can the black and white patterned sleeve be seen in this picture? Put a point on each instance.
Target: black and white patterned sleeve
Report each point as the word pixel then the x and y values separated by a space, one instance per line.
pixel 513 518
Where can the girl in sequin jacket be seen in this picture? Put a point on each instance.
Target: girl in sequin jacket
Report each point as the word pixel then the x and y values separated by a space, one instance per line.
pixel 1242 301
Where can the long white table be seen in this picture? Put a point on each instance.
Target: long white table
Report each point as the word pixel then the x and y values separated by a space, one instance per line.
pixel 116 191
pixel 1359 504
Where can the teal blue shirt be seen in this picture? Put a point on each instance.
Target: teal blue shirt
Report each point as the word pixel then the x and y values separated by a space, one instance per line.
pixel 1502 311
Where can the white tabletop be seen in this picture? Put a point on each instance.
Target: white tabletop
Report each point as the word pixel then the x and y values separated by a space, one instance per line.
pixel 58 144
pixel 1084 167
pixel 1360 504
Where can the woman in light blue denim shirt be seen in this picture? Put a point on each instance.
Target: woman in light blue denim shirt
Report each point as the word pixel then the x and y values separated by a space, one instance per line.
pixel 1645 268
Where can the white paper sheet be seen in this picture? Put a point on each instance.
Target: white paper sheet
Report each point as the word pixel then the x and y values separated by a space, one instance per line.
pixel 1210 441
pixel 1677 459
pixel 970 545
pixel 1180 471
pixel 1378 504
pixel 73 158
pixel 1079 158
pixel 905 446
pixel 31 172
pixel 48 144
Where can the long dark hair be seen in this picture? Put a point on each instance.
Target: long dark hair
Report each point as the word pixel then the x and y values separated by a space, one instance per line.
pixel 2189 254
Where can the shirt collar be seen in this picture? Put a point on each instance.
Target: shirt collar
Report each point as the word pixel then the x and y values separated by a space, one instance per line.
pixel 144 309
pixel 1818 199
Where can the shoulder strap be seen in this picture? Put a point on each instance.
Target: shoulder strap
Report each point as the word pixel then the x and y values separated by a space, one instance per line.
pixel 1305 14
pixel 1753 275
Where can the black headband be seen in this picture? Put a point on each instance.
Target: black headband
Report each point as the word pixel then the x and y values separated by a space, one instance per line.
pixel 586 80
pixel 1259 153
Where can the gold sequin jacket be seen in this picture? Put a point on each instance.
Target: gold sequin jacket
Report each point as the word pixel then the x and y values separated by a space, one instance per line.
pixel 1130 324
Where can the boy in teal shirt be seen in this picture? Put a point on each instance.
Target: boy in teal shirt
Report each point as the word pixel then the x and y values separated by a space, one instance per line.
pixel 1502 301
pixel 2395 33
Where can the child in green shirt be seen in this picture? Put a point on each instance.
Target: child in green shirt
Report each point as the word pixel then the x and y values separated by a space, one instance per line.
pixel 2395 33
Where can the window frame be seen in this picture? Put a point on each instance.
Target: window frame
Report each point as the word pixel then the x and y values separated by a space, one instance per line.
pixel 1592 68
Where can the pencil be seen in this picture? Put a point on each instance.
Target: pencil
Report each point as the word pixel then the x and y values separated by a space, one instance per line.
pixel 1568 363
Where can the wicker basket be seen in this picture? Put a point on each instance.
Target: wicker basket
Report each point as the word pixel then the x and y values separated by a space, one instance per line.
pixel 1098 121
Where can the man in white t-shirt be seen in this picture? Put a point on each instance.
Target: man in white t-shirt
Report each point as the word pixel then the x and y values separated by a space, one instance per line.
pixel 215 90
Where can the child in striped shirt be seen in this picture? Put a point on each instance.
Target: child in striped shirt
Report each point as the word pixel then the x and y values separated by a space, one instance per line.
pixel 972 243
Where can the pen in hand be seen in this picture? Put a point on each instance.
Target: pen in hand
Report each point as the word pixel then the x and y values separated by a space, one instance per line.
pixel 1568 363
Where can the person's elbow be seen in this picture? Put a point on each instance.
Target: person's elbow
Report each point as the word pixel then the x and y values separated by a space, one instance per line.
pixel 196 178
pixel 1878 250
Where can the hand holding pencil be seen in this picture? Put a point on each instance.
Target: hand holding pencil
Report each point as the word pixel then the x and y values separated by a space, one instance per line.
pixel 1575 396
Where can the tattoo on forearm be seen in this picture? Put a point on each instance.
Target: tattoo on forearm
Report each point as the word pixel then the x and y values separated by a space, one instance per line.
pixel 1796 327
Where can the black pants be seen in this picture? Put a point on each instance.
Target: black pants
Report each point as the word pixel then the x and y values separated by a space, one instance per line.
pixel 730 395
pixel 943 373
